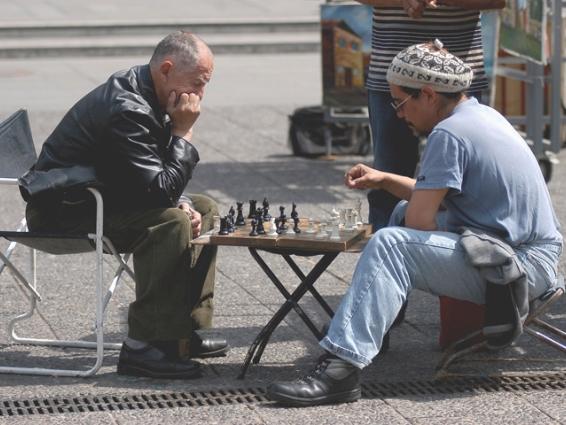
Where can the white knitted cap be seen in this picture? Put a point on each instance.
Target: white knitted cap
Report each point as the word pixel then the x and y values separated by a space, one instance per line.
pixel 429 64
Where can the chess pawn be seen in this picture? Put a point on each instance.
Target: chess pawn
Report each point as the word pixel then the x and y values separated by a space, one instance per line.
pixel 296 227
pixel 272 227
pixel 259 226
pixel 311 228
pixel 253 203
pixel 240 221
pixel 254 229
pixel 322 231
pixel 223 226
pixel 216 225
pixel 335 230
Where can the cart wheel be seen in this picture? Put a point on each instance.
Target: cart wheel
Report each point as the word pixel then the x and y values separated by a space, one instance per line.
pixel 546 168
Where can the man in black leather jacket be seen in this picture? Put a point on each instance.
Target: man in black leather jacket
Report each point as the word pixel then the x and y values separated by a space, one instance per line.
pixel 136 131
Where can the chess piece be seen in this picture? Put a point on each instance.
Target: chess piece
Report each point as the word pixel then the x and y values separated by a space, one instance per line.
pixel 335 234
pixel 216 219
pixel 253 203
pixel 266 216
pixel 282 219
pixel 259 222
pixel 296 227
pixel 254 228
pixel 231 219
pixel 311 228
pixel 294 213
pixel 223 226
pixel 240 221
pixel 358 209
pixel 322 233
pixel 272 227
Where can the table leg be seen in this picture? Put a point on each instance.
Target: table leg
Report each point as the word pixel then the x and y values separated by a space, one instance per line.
pixel 291 302
pixel 312 289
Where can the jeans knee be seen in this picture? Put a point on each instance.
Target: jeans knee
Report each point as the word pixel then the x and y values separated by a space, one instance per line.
pixel 387 238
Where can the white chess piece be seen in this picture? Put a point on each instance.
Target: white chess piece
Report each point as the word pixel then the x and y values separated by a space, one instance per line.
pixel 335 229
pixel 358 209
pixel 272 227
pixel 311 228
pixel 322 233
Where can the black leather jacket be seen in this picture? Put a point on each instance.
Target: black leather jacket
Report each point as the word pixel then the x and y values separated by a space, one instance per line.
pixel 120 129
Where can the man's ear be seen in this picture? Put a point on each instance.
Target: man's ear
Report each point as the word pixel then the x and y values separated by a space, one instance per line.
pixel 429 93
pixel 165 68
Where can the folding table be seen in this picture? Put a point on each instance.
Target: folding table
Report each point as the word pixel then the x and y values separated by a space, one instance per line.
pixel 287 246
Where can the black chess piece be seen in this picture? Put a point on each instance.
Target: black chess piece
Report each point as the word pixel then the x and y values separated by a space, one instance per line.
pixel 254 228
pixel 277 225
pixel 253 203
pixel 296 227
pixel 266 215
pixel 231 219
pixel 240 221
pixel 223 226
pixel 294 213
pixel 283 224
pixel 282 219
pixel 259 218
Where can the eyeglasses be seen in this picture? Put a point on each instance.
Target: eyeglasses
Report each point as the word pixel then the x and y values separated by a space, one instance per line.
pixel 398 106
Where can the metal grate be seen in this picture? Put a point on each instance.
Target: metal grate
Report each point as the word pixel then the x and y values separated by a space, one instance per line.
pixel 120 402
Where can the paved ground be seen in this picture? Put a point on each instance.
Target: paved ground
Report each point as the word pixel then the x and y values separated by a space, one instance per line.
pixel 242 140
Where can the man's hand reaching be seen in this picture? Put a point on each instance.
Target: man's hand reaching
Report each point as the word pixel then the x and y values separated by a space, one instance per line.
pixel 183 111
pixel 361 176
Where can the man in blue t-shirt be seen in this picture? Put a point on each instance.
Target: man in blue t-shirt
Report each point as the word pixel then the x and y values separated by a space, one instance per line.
pixel 476 173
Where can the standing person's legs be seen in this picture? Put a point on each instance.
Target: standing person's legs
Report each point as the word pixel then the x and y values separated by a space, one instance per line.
pixel 395 150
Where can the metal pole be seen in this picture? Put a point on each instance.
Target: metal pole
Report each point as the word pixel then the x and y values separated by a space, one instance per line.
pixel 535 107
pixel 556 73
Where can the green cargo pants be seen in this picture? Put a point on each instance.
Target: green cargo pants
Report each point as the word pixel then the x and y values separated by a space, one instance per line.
pixel 174 279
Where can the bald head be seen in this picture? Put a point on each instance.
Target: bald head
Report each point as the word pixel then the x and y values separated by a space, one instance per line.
pixel 184 48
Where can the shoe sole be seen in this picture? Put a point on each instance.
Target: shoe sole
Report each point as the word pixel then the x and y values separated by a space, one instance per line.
pixel 344 397
pixel 141 372
pixel 218 353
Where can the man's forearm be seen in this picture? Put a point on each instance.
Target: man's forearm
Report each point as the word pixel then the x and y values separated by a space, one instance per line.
pixel 400 186
pixel 474 4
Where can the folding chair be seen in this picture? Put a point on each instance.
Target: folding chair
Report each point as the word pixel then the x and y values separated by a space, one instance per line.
pixel 534 325
pixel 17 155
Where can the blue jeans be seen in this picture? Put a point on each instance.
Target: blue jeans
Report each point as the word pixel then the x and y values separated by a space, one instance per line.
pixel 397 260
pixel 395 150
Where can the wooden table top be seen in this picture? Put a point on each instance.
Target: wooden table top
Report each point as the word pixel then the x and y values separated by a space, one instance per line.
pixel 350 240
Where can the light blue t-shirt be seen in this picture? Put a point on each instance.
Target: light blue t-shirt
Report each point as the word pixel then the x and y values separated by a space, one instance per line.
pixel 494 181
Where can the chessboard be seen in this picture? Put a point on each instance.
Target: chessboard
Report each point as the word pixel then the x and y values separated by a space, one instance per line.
pixel 298 241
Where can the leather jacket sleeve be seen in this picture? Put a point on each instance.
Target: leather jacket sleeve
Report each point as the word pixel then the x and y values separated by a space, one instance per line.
pixel 152 161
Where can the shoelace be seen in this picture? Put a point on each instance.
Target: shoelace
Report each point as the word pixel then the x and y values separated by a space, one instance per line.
pixel 323 362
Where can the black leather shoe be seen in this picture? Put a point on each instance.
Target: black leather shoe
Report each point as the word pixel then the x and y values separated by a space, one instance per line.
pixel 209 347
pixel 195 346
pixel 333 380
pixel 154 363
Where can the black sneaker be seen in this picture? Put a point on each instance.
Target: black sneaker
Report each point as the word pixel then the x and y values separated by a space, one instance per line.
pixel 333 380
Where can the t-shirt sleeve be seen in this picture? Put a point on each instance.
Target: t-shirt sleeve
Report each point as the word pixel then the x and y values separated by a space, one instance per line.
pixel 443 162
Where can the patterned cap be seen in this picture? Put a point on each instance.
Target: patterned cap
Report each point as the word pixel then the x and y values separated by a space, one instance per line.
pixel 429 64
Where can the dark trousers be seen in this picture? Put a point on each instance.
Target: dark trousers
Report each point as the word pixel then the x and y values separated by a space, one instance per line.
pixel 174 279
